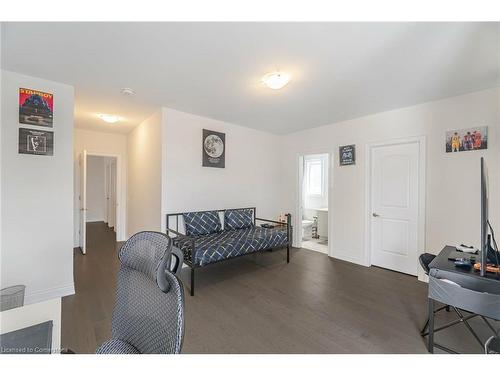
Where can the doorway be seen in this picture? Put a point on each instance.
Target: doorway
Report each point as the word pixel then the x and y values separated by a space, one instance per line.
pixel 98 196
pixel 314 183
pixel 396 204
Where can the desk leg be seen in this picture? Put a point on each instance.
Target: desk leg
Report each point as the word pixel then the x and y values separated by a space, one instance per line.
pixel 430 338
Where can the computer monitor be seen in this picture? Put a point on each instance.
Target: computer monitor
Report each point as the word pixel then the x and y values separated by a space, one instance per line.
pixel 484 217
pixel 489 248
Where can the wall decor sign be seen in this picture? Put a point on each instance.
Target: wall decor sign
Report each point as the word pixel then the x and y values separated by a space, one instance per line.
pixel 347 155
pixel 36 142
pixel 467 139
pixel 214 149
pixel 36 107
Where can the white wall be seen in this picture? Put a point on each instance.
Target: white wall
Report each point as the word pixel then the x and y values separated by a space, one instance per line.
pixel 452 201
pixel 144 150
pixel 101 143
pixel 37 197
pixel 251 178
pixel 96 199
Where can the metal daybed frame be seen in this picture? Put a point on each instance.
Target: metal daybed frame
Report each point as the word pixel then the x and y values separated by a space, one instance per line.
pixel 191 261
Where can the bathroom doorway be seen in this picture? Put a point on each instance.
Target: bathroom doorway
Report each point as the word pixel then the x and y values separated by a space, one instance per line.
pixel 314 183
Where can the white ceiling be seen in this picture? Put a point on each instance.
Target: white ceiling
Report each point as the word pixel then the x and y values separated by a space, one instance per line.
pixel 340 70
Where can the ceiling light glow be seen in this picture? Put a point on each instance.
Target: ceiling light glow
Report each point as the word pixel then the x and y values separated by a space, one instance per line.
pixel 276 80
pixel 127 91
pixel 109 118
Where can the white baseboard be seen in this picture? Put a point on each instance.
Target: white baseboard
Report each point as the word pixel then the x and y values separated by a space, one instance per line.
pixel 51 293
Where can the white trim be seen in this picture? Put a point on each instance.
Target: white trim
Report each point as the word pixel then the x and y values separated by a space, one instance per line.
pixel 121 188
pixel 421 140
pixel 297 241
pixel 50 293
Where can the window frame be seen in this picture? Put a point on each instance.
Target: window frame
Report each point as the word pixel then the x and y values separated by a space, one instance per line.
pixel 308 163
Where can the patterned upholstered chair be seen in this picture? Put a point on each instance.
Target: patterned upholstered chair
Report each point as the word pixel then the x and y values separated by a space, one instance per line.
pixel 149 311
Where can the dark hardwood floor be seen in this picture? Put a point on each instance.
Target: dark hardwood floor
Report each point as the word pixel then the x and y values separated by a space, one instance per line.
pixel 260 304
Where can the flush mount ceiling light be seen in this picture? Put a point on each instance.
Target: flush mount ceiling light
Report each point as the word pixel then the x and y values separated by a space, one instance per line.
pixel 109 118
pixel 276 80
pixel 127 91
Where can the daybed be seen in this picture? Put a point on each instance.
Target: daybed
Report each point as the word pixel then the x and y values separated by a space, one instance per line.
pixel 207 239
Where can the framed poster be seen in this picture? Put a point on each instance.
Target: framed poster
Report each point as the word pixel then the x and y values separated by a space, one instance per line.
pixel 36 142
pixel 214 149
pixel 36 107
pixel 347 155
pixel 467 139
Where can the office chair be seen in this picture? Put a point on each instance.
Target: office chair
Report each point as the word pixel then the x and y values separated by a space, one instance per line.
pixel 425 259
pixel 149 310
pixel 492 345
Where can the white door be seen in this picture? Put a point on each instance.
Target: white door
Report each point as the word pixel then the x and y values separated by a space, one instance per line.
pixel 107 183
pixel 83 201
pixel 394 206
pixel 113 194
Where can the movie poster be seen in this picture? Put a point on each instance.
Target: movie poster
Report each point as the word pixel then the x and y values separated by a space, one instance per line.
pixel 214 149
pixel 36 107
pixel 467 139
pixel 36 142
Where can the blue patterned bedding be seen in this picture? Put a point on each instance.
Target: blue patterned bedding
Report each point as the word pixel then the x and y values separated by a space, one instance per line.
pixel 214 247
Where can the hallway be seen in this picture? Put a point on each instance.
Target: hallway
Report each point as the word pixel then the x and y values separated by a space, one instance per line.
pixel 86 315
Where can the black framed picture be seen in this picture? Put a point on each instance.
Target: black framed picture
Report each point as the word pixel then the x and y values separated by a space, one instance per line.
pixel 36 107
pixel 214 149
pixel 36 142
pixel 347 155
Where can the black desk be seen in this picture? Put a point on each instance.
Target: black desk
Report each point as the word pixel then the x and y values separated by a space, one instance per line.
pixel 475 294
pixel 441 262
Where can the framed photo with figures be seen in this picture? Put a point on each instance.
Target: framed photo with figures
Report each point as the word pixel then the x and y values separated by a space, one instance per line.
pixel 214 149
pixel 467 139
pixel 36 142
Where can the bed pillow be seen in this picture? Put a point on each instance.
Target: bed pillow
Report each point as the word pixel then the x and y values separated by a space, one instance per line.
pixel 198 223
pixel 238 219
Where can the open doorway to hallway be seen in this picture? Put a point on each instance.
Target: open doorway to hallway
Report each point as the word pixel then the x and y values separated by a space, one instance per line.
pixel 314 186
pixel 98 196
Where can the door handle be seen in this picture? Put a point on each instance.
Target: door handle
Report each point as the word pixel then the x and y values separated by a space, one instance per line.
pixel 375 215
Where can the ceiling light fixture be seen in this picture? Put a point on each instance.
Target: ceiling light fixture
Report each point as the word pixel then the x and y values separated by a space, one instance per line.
pixel 127 91
pixel 276 80
pixel 109 118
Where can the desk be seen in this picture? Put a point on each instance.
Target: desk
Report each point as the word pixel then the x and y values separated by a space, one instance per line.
pixel 441 262
pixel 475 294
pixel 36 339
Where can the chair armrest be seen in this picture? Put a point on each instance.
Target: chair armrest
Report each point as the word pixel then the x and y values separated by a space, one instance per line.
pixel 178 255
pixel 178 236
